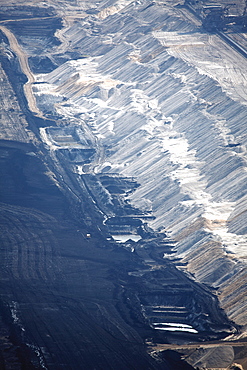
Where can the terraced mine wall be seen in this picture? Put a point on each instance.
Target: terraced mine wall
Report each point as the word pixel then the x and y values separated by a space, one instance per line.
pixel 158 182
pixel 173 125
pixel 40 228
pixel 61 288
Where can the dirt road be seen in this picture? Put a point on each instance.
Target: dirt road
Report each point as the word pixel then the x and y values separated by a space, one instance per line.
pixel 163 347
pixel 23 60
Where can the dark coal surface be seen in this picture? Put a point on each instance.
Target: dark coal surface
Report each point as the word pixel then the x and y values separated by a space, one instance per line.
pixel 41 64
pixel 61 304
pixel 24 11
pixel 45 27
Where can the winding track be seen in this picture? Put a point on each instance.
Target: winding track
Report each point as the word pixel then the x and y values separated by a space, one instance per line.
pixel 23 60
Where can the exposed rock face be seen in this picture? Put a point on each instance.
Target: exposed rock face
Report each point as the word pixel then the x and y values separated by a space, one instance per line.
pixel 153 90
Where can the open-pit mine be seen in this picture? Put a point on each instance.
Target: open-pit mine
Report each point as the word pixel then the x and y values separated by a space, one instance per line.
pixel 123 159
